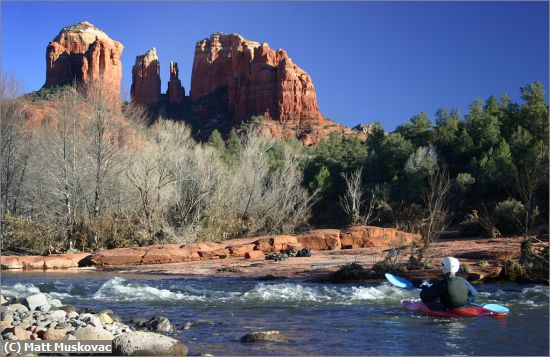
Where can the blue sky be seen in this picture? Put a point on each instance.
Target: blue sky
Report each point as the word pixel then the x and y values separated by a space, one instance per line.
pixel 369 61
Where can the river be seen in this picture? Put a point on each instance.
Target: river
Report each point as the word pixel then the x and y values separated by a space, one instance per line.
pixel 319 319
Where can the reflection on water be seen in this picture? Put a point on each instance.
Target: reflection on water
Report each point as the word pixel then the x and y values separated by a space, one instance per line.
pixel 318 318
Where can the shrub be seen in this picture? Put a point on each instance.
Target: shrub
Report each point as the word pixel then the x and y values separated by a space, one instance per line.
pixel 353 271
pixel 509 216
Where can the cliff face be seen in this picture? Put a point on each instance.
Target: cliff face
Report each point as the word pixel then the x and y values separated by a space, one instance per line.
pixel 82 52
pixel 146 78
pixel 258 79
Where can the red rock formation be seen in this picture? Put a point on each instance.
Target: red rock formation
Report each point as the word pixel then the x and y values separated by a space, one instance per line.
pixel 146 78
pixel 259 80
pixel 175 91
pixel 82 52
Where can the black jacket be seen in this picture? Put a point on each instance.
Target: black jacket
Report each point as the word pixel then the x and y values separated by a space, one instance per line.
pixel 452 292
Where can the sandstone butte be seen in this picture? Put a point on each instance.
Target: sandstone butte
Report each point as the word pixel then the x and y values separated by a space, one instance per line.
pixel 331 248
pixel 235 79
pixel 232 79
pixel 81 53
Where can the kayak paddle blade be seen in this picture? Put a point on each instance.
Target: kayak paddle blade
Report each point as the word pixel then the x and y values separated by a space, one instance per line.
pixel 496 308
pixel 399 282
pixel 493 307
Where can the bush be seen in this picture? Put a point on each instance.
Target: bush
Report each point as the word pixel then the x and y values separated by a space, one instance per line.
pixel 509 216
pixel 353 271
pixel 471 227
pixel 25 235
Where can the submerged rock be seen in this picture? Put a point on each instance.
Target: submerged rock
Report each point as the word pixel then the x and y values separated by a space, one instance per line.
pixel 271 336
pixel 147 344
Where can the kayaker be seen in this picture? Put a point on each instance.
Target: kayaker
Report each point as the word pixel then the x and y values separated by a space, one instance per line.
pixel 451 292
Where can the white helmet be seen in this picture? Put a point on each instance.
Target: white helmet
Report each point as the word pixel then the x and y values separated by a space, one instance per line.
pixel 450 265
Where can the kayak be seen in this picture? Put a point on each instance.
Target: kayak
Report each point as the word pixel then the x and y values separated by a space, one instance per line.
pixel 420 308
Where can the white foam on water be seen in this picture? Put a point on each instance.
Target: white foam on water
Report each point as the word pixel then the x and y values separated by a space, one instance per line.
pixel 304 294
pixel 21 290
pixel 121 289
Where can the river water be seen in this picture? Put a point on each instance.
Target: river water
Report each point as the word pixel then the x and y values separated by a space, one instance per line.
pixel 319 319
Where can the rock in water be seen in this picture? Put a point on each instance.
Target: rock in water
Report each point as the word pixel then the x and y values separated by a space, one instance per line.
pixel 161 324
pixel 147 344
pixel 271 336
pixel 146 78
pixel 82 52
pixel 37 301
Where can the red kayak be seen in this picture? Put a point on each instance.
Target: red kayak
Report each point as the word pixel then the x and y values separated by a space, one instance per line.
pixel 419 307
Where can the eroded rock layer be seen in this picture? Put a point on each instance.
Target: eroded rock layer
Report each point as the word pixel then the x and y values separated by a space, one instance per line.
pixel 81 53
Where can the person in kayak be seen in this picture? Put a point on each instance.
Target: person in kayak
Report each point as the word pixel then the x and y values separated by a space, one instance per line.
pixel 450 293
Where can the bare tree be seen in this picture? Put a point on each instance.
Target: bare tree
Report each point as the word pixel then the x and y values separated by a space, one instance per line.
pixel 436 213
pixel 352 201
pixel 13 143
pixel 362 208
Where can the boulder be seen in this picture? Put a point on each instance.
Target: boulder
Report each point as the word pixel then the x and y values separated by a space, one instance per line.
pixel 280 242
pixel 355 237
pixel 56 303
pixel 92 333
pixel 10 262
pixel 58 262
pixel 58 315
pixel 240 250
pixel 32 262
pixel 55 334
pixel 64 261
pixel 18 307
pixel 264 244
pixel 271 336
pixel 169 253
pixel 220 253
pixel 36 301
pixel 352 237
pixel 21 333
pixel 105 318
pixel 82 52
pixel 119 256
pixel 255 254
pixel 320 239
pixel 91 319
pixel 140 343
pixel 161 324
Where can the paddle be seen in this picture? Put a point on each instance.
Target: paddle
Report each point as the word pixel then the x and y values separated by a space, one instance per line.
pixel 405 284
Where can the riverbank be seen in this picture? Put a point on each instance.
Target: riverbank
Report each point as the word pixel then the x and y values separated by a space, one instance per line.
pixel 39 317
pixel 482 258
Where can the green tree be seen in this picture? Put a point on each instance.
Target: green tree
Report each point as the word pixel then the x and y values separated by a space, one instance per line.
pixel 417 130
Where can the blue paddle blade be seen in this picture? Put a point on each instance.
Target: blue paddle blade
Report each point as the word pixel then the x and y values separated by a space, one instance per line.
pixel 496 308
pixel 399 282
pixel 493 307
